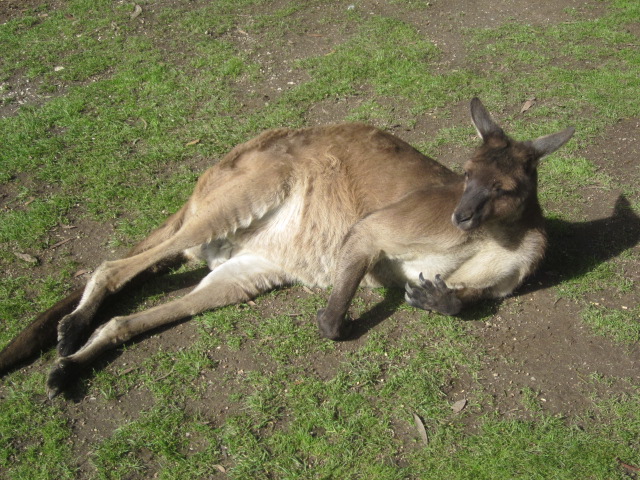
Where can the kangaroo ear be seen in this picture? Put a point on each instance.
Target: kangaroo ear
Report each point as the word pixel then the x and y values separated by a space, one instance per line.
pixel 482 120
pixel 550 143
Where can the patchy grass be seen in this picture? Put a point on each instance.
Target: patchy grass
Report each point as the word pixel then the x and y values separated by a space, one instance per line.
pixel 21 295
pixel 620 324
pixel 542 448
pixel 182 446
pixel 109 118
pixel 34 435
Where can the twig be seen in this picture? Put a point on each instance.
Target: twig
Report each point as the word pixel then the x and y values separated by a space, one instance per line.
pixel 626 466
pixel 162 377
pixel 60 243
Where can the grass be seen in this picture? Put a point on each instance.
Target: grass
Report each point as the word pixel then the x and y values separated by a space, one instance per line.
pixel 120 118
pixel 34 435
pixel 620 324
pixel 545 448
pixel 165 435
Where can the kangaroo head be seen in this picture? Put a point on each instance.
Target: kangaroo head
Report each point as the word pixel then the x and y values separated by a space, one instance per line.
pixel 501 177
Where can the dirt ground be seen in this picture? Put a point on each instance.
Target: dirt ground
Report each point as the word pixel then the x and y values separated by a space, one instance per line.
pixel 534 340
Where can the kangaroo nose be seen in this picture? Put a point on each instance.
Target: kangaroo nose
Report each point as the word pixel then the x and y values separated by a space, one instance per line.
pixel 463 220
pixel 461 217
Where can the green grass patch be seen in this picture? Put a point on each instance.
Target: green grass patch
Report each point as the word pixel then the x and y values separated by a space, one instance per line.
pixel 620 324
pixel 544 448
pixel 331 431
pixel 182 446
pixel 575 68
pixel 599 276
pixel 21 296
pixel 33 434
pixel 371 58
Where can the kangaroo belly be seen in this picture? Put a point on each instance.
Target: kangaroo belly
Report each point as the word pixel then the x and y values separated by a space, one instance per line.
pixel 301 237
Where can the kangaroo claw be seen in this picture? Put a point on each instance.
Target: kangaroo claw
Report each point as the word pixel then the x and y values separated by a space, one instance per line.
pixel 435 296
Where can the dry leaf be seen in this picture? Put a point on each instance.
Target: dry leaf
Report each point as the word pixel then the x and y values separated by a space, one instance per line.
pixel 137 11
pixel 459 405
pixel 220 468
pixel 26 257
pixel 308 290
pixel 527 105
pixel 421 430
pixel 79 273
pixel 251 303
pixel 192 142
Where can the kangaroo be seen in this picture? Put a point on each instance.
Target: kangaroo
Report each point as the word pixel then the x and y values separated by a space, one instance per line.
pixel 342 205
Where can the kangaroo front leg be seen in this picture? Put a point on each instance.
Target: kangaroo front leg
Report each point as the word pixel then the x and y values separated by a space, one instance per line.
pixel 357 256
pixel 237 280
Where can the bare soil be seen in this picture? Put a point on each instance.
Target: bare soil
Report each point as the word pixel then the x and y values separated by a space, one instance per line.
pixel 534 340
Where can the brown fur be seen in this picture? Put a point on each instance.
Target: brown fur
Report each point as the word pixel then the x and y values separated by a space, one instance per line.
pixel 341 205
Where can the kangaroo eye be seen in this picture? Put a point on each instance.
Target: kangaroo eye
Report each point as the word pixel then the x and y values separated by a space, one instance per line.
pixel 466 175
pixel 498 191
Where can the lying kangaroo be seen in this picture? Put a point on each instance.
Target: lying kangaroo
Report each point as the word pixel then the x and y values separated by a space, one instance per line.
pixel 342 205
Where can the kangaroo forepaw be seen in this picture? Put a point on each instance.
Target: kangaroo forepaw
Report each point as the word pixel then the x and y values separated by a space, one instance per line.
pixel 69 334
pixel 60 375
pixel 333 328
pixel 434 296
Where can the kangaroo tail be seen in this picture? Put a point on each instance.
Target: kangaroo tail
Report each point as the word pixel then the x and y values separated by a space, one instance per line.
pixel 40 335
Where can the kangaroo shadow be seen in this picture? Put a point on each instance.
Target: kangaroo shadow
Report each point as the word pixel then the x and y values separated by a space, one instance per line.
pixel 123 303
pixel 575 248
pixel 393 298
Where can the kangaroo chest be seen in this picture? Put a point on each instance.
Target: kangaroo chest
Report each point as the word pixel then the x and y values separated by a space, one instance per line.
pixel 483 264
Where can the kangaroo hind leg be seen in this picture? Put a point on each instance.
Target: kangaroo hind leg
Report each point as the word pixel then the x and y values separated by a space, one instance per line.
pixel 72 326
pixel 224 201
pixel 239 279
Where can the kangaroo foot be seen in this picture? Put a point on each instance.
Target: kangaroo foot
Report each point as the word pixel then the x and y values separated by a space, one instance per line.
pixel 61 374
pixel 70 331
pixel 434 296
